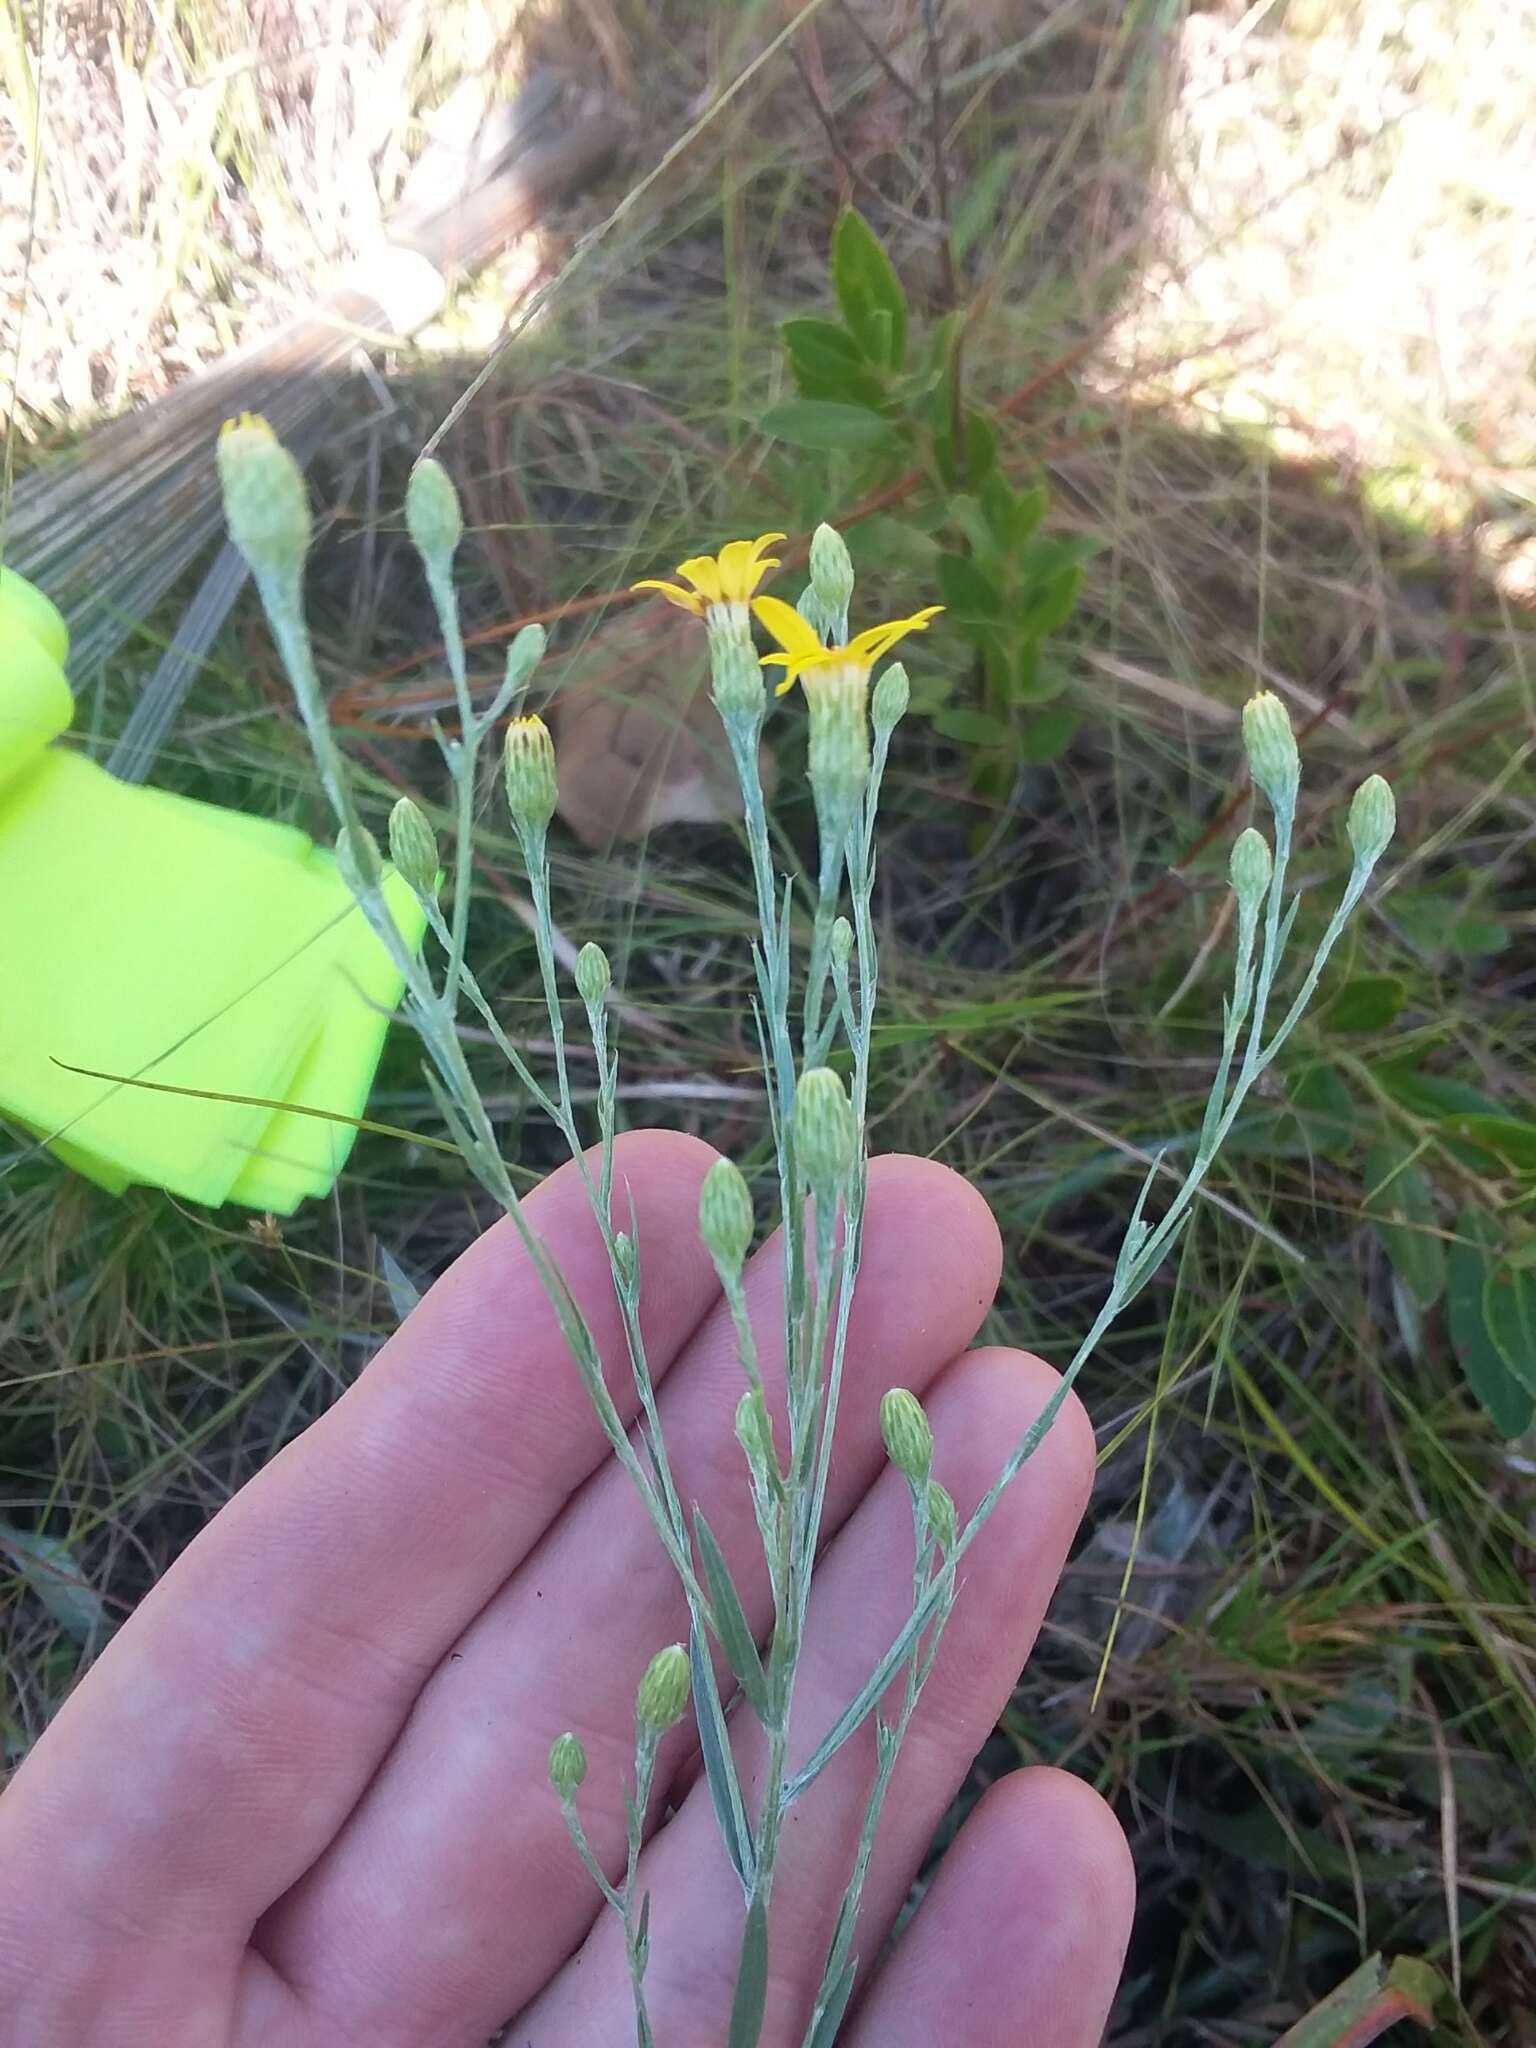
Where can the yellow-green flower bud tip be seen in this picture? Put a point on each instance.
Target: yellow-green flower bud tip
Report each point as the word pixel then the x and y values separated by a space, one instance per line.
pixel 529 766
pixel 1273 760
pixel 1250 868
pixel 1372 819
pixel 432 515
pixel 567 1764
pixel 892 695
pixel 824 1128
pixel 831 569
pixel 662 1699
pixel 942 1519
pixel 266 506
pixel 725 1215
pixel 594 977
pixel 842 941
pixel 358 861
pixel 908 1439
pixel 413 846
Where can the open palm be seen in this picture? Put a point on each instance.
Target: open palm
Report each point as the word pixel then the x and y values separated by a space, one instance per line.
pixel 300 1801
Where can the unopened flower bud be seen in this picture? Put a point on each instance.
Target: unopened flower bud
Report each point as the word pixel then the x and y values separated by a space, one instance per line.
pixel 662 1699
pixel 432 515
pixel 567 1764
pixel 625 1257
pixel 831 570
pixel 754 1432
pixel 892 695
pixel 1372 819
pixel 824 1128
pixel 725 1215
pixel 529 765
pixel 413 846
pixel 266 506
pixel 1250 868
pixel 908 1439
pixel 357 861
pixel 842 941
pixel 594 977
pixel 1273 760
pixel 941 1515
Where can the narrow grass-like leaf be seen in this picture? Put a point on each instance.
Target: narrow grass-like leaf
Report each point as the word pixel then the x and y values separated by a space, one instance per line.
pixel 718 1773
pixel 731 1624
pixel 824 2031
pixel 750 2002
pixel 403 1291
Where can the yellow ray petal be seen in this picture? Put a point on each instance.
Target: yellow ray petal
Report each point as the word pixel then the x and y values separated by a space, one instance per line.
pixel 703 572
pixel 741 567
pixel 867 647
pixel 798 638
pixel 686 600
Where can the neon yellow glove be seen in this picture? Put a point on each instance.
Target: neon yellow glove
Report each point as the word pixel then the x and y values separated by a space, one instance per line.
pixel 145 934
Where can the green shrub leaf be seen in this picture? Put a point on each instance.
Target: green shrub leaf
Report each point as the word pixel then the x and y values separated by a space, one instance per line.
pixel 825 423
pixel 1401 1205
pixel 869 291
pixel 1367 1002
pixel 1470 1268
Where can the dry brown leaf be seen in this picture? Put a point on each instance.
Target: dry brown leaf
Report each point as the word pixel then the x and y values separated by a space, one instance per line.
pixel 639 740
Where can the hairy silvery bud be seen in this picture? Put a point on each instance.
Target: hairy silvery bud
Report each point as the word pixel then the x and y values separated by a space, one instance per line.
pixel 266 506
pixel 1250 868
pixel 831 570
pixel 825 1136
pixel 567 1764
pixel 893 693
pixel 593 974
pixel 1273 760
pixel 941 1515
pixel 908 1439
pixel 523 657
pixel 725 1215
pixel 662 1699
pixel 413 846
pixel 432 515
pixel 736 674
pixel 357 860
pixel 529 765
pixel 625 1257
pixel 1372 819
pixel 842 941
pixel 754 1432
pixel 838 736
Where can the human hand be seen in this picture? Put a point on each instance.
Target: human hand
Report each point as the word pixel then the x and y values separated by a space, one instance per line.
pixel 300 1801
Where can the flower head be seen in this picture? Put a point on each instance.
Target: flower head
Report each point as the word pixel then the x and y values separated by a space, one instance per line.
pixel 528 765
pixel 729 578
pixel 803 654
pixel 266 506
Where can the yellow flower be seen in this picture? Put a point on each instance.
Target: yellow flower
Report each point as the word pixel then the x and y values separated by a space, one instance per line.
pixel 729 578
pixel 802 648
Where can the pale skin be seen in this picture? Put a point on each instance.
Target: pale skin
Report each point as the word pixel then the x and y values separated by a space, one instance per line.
pixel 300 1801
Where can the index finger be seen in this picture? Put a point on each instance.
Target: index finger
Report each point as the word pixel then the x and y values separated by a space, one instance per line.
pixel 228 1729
